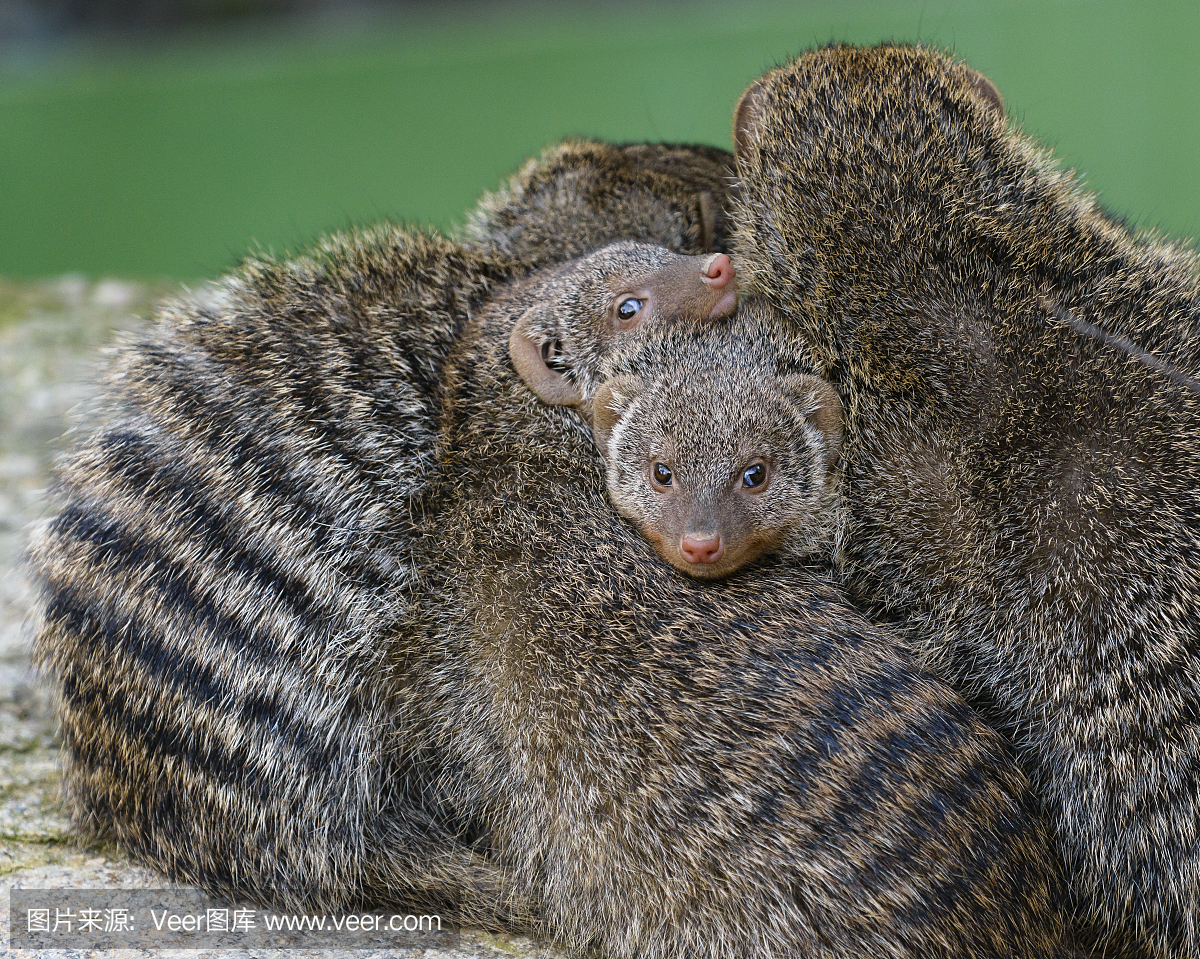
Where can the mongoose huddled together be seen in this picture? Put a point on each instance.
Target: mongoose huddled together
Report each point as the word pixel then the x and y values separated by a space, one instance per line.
pixel 1021 493
pixel 324 500
pixel 338 610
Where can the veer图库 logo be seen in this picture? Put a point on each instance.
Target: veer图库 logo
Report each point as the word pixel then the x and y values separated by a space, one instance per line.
pixel 41 919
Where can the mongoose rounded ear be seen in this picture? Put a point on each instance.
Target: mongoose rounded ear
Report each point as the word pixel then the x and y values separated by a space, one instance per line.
pixel 822 407
pixel 987 92
pixel 529 358
pixel 611 401
pixel 746 114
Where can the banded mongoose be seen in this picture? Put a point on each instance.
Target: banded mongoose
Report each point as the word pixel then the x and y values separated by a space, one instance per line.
pixel 204 753
pixel 678 768
pixel 719 443
pixel 1024 494
pixel 225 589
pixel 273 800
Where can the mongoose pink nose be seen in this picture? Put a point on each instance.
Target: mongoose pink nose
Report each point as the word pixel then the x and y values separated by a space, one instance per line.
pixel 718 272
pixel 720 277
pixel 702 549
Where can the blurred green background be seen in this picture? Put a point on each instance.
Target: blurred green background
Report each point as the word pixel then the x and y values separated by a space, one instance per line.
pixel 169 154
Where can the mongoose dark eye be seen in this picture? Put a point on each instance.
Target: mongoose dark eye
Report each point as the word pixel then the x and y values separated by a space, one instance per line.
pixel 660 474
pixel 755 476
pixel 628 308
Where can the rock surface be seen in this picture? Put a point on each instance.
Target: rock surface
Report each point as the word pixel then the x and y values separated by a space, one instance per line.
pixel 51 338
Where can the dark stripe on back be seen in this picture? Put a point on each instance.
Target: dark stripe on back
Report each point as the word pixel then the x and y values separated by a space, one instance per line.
pixel 144 471
pixel 168 833
pixel 117 554
pixel 146 727
pixel 129 638
pixel 253 413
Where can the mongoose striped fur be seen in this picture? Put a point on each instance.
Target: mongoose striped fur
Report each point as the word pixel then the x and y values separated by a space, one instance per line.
pixel 679 768
pixel 227 579
pixel 1021 452
pixel 582 194
pixel 226 587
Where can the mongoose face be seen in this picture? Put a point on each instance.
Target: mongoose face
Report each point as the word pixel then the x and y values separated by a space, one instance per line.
pixel 582 308
pixel 715 454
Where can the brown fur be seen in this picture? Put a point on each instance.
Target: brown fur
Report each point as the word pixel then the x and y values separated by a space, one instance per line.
pixel 704 406
pixel 1021 493
pixel 226 579
pixel 582 194
pixel 338 611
